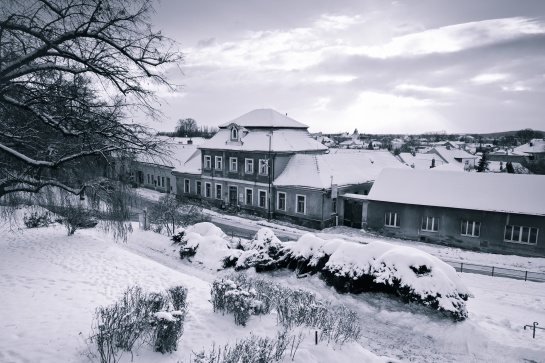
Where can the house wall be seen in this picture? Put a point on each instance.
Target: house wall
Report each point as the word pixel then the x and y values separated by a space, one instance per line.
pixel 180 182
pixel 491 237
pixel 318 212
pixel 241 173
pixel 156 173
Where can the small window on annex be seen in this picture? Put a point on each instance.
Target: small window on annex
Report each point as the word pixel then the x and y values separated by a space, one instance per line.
pixel 301 204
pixel 281 201
pixel 521 234
pixel 471 228
pixel 198 187
pixel 207 190
pixel 262 198
pixel 186 185
pixel 430 224
pixel 391 219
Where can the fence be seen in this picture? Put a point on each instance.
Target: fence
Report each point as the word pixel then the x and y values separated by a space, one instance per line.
pixel 497 271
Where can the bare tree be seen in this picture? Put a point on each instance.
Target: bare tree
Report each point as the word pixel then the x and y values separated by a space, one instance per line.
pixel 72 72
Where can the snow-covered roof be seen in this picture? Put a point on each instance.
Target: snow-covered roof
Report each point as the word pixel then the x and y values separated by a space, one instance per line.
pixel 420 161
pixel 315 171
pixel 265 117
pixel 178 155
pixel 282 140
pixel 534 146
pixel 191 165
pixel 183 140
pixel 451 155
pixel 499 192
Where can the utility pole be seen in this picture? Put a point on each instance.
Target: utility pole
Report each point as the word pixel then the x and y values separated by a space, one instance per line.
pixel 269 170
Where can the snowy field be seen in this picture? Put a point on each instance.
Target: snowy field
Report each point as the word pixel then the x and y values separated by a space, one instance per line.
pixel 52 283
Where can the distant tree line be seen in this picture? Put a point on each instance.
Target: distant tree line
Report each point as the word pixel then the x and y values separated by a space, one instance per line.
pixel 188 128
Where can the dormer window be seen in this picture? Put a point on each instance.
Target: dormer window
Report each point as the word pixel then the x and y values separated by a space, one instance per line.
pixel 234 134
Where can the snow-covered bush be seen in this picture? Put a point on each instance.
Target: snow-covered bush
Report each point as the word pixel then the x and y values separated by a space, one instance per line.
pixel 410 273
pixel 138 316
pixel 229 297
pixel 262 252
pixel 37 219
pixel 252 349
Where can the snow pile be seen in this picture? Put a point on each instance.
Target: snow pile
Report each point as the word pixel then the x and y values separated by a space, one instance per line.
pixel 407 272
pixel 205 243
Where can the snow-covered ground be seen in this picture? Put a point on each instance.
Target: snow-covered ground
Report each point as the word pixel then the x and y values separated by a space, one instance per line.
pixel 52 283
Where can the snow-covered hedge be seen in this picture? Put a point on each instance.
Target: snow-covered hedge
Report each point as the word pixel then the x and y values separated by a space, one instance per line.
pixel 412 274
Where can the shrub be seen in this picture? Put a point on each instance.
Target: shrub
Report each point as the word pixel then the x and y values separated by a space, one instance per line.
pixel 252 349
pixel 157 318
pixel 35 219
pixel 237 300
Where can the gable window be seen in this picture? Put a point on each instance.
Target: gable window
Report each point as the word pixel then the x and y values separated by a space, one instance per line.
pixel 262 199
pixel 219 162
pixel 520 234
pixel 234 134
pixel 263 166
pixel 207 190
pixel 249 196
pixel 281 201
pixel 249 166
pixel 301 204
pixel 198 187
pixel 186 185
pixel 218 191
pixel 430 224
pixel 391 219
pixel 233 164
pixel 471 228
pixel 207 162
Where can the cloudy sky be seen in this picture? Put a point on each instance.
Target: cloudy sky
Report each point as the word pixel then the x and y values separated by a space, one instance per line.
pixel 406 66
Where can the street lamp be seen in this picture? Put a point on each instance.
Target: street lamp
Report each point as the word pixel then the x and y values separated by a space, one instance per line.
pixel 269 170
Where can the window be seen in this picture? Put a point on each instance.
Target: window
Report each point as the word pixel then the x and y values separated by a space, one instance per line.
pixel 218 191
pixel 163 179
pixel 186 185
pixel 233 164
pixel 198 187
pixel 234 134
pixel 207 190
pixel 149 179
pixel 521 234
pixel 471 228
pixel 301 204
pixel 249 166
pixel 262 198
pixel 207 162
pixel 263 166
pixel 281 201
pixel 430 224
pixel 219 162
pixel 391 219
pixel 249 196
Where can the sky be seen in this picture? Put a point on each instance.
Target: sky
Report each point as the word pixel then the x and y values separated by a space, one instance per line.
pixel 403 66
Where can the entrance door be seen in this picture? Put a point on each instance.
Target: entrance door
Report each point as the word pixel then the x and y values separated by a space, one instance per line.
pixel 353 211
pixel 233 196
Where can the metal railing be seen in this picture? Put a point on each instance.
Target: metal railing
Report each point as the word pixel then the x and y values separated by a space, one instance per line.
pixel 497 271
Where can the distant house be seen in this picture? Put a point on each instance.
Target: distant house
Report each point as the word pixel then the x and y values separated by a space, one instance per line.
pixel 454 156
pixel 494 212
pixel 421 161
pixel 156 172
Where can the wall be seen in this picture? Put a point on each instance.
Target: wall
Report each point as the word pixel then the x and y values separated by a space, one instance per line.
pixel 449 233
pixel 157 172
